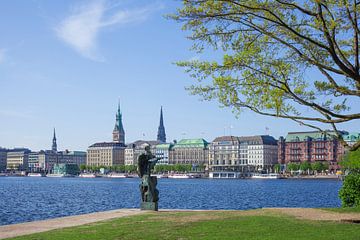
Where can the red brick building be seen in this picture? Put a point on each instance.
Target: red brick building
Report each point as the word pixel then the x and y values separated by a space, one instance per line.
pixel 311 147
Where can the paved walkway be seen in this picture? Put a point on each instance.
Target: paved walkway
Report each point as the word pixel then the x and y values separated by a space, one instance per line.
pixel 15 230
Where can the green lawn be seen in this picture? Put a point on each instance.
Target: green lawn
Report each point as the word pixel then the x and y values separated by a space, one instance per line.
pixel 207 225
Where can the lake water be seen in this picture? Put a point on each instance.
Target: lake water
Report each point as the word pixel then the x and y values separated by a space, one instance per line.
pixel 24 199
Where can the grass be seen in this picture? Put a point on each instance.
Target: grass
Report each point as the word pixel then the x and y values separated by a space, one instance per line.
pixel 250 225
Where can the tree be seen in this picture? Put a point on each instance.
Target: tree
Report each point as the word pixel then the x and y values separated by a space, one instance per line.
pixel 351 161
pixel 293 167
pixel 269 52
pixel 305 166
pixel 317 166
pixel 82 167
pixel 350 192
pixel 277 167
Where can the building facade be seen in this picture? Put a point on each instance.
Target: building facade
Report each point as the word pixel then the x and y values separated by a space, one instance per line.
pixel 162 151
pixel 106 154
pixel 190 151
pixel 3 156
pixel 225 154
pixel 135 149
pixel 242 154
pixel 311 147
pixel 17 159
pixel 262 152
pixel 109 153
pixel 72 157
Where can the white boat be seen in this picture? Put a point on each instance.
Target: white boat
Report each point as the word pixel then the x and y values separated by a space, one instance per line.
pixel 88 175
pixel 132 176
pixel 161 175
pixel 266 176
pixel 36 175
pixel 55 175
pixel 117 175
pixel 180 176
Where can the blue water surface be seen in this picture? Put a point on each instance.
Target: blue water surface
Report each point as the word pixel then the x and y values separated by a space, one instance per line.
pixel 24 199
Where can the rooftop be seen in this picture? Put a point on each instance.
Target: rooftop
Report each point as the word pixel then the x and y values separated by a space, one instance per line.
pixel 313 135
pixel 195 142
pixel 107 144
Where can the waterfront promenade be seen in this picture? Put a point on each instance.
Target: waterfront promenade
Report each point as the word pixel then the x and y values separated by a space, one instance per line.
pixel 14 230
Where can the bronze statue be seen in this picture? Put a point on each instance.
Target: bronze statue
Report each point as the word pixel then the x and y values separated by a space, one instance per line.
pixel 149 193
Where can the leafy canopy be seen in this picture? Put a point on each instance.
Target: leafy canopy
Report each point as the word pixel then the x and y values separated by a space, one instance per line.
pixel 270 51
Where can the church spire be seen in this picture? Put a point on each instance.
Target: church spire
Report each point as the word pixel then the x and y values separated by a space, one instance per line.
pixel 119 133
pixel 161 136
pixel 54 145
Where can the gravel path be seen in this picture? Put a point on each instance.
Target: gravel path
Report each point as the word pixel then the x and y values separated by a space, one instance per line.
pixel 317 214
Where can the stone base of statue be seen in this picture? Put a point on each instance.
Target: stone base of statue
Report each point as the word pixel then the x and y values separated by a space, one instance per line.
pixel 153 206
pixel 149 193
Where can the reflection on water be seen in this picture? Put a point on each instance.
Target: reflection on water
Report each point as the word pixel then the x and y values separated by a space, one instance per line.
pixel 25 199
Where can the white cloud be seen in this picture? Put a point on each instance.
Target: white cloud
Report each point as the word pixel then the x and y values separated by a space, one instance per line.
pixel 81 29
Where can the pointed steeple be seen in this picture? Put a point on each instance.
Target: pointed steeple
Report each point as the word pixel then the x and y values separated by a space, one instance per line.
pixel 161 136
pixel 118 132
pixel 54 145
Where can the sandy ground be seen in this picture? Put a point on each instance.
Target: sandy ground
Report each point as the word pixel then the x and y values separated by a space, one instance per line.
pixel 317 214
pixel 15 230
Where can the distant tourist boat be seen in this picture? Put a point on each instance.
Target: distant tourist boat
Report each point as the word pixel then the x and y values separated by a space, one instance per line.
pixel 226 175
pixel 118 175
pixel 88 175
pixel 132 176
pixel 36 175
pixel 161 175
pixel 59 175
pixel 266 176
pixel 180 176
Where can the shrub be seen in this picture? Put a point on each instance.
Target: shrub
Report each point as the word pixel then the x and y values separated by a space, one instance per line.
pixel 350 192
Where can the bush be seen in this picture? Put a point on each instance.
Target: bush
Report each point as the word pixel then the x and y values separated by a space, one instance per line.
pixel 350 191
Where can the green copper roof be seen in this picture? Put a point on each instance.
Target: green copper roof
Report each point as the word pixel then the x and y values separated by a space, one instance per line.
pixel 302 136
pixel 164 146
pixel 352 137
pixel 186 143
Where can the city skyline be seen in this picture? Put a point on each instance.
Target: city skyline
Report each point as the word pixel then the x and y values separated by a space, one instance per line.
pixel 65 64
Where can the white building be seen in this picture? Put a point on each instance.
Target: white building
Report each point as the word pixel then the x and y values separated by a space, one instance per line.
pixel 162 151
pixel 229 154
pixel 262 151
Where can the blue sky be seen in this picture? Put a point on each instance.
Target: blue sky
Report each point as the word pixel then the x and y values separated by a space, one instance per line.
pixel 65 64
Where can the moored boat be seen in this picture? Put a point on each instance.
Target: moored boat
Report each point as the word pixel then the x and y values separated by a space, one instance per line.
pixel 266 176
pixel 183 176
pixel 117 175
pixel 59 175
pixel 36 175
pixel 88 175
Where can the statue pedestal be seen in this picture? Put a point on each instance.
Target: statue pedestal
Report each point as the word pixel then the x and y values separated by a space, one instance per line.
pixel 153 206
pixel 149 193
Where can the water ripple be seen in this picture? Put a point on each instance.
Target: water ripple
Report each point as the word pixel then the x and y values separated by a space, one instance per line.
pixel 27 199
